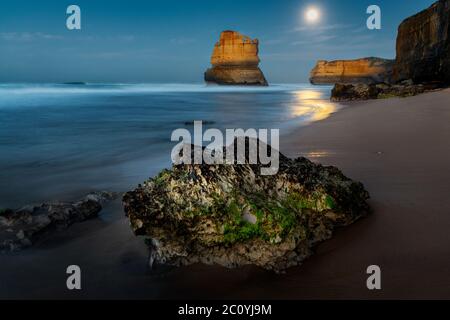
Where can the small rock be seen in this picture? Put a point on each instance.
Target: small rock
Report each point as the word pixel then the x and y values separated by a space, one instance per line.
pixel 20 235
pixel 249 217
pixel 20 228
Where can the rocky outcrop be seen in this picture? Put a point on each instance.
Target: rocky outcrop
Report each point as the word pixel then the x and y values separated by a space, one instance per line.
pixel 422 62
pixel 350 92
pixel 361 91
pixel 231 215
pixel 423 54
pixel 423 46
pixel 21 228
pixel 365 70
pixel 235 61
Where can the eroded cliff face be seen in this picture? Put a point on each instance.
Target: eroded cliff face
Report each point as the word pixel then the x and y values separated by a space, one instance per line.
pixel 423 46
pixel 365 70
pixel 422 63
pixel 235 61
pixel 235 49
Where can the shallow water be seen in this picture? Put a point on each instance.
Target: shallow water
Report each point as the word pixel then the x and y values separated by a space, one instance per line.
pixel 62 141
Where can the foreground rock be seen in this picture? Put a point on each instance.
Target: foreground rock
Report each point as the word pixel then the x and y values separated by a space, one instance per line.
pixel 352 92
pixel 21 228
pixel 232 216
pixel 423 46
pixel 365 70
pixel 235 61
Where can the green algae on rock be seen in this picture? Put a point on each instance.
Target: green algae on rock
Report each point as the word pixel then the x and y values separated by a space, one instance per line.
pixel 233 216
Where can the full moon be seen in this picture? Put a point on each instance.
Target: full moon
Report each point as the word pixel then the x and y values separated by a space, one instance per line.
pixel 312 15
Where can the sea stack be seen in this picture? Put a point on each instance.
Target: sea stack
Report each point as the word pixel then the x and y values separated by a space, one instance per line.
pixel 235 61
pixel 366 70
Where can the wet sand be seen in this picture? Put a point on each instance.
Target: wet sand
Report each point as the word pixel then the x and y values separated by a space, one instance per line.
pixel 399 148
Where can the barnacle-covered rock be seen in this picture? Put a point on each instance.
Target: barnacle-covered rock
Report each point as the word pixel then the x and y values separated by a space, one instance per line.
pixel 361 91
pixel 232 215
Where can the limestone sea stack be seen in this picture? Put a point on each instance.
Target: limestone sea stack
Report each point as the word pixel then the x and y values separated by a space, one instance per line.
pixel 423 46
pixel 235 61
pixel 366 70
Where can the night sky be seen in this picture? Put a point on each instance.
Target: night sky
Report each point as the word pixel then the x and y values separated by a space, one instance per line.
pixel 171 41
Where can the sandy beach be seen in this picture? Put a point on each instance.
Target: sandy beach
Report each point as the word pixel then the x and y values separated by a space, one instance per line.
pixel 399 149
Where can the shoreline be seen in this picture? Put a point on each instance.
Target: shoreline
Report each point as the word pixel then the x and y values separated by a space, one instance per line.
pixel 388 145
pixel 65 155
pixel 398 149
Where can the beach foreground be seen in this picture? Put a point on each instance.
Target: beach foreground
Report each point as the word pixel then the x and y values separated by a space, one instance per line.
pixel 398 148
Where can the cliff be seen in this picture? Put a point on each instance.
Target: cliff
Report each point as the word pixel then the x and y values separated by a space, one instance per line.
pixel 423 46
pixel 235 61
pixel 365 70
pixel 422 62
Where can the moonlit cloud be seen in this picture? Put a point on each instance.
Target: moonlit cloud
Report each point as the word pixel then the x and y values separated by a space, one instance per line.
pixel 318 39
pixel 172 40
pixel 321 28
pixel 28 36
pixel 182 41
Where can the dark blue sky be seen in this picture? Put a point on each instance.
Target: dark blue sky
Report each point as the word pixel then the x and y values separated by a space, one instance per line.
pixel 171 41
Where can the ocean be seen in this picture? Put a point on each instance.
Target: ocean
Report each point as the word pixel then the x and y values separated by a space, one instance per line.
pixel 61 141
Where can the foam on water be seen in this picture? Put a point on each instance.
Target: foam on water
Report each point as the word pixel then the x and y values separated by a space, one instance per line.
pixel 59 141
pixel 117 88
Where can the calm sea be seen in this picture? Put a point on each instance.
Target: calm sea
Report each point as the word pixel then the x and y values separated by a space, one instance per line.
pixel 62 141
